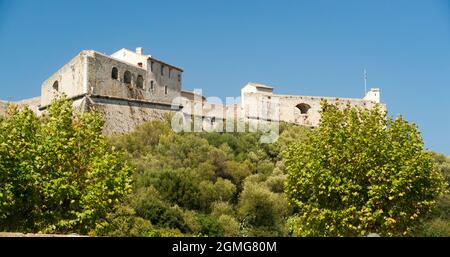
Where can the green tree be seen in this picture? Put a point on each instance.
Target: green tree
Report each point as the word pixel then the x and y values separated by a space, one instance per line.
pixel 360 172
pixel 57 172
pixel 262 210
pixel 438 222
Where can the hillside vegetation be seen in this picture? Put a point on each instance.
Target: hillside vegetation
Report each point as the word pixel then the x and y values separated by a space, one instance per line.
pixel 155 182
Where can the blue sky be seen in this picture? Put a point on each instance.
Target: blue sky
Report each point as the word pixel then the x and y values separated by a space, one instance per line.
pixel 300 47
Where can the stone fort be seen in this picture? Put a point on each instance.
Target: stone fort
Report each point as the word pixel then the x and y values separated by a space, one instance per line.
pixel 130 87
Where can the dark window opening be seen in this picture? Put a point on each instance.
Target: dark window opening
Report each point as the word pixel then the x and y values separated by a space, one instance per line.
pixel 127 77
pixel 151 66
pixel 213 120
pixel 162 70
pixel 179 77
pixel 55 86
pixel 140 64
pixel 114 73
pixel 152 86
pixel 165 90
pixel 140 82
pixel 304 108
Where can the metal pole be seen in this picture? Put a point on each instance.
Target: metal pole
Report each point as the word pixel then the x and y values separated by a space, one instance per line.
pixel 365 81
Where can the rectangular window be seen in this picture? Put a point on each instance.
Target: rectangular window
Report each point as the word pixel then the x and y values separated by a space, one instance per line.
pixel 170 70
pixel 162 70
pixel 152 87
pixel 165 90
pixel 151 66
pixel 179 77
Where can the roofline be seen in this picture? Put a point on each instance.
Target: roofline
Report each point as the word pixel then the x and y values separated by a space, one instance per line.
pixel 149 57
pixel 258 85
pixel 115 59
pixel 171 66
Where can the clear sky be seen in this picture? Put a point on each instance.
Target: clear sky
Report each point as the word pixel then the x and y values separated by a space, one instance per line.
pixel 300 47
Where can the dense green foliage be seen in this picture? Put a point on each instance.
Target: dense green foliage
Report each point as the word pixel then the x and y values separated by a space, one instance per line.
pixel 437 222
pixel 358 173
pixel 207 184
pixel 56 172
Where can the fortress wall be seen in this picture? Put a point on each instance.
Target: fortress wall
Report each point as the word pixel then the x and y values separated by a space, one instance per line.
pixel 122 116
pixel 290 107
pixel 69 81
pixel 32 103
pixel 100 81
pixel 161 80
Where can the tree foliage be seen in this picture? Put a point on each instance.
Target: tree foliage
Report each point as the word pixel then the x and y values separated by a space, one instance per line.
pixel 207 184
pixel 358 173
pixel 57 173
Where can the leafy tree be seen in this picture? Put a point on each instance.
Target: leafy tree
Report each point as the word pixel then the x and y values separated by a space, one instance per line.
pixel 122 221
pixel 261 209
pixel 57 172
pixel 210 226
pixel 360 172
pixel 438 221
pixel 230 225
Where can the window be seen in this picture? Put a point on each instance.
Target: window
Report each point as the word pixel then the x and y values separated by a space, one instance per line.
pixel 114 73
pixel 127 77
pixel 165 90
pixel 152 87
pixel 55 86
pixel 140 82
pixel 179 77
pixel 304 108
pixel 162 70
pixel 151 66
pixel 170 71
pixel 213 120
pixel 140 64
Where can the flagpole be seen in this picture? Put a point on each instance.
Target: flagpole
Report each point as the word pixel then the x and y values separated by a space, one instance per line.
pixel 365 81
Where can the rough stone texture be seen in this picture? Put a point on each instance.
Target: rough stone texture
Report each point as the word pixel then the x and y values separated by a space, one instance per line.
pixel 122 116
pixel 70 80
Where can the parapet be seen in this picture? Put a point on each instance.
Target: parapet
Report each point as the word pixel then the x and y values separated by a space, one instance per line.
pixel 373 95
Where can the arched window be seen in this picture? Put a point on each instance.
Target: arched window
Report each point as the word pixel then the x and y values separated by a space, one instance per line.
pixel 127 77
pixel 140 82
pixel 304 108
pixel 55 86
pixel 166 90
pixel 114 73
